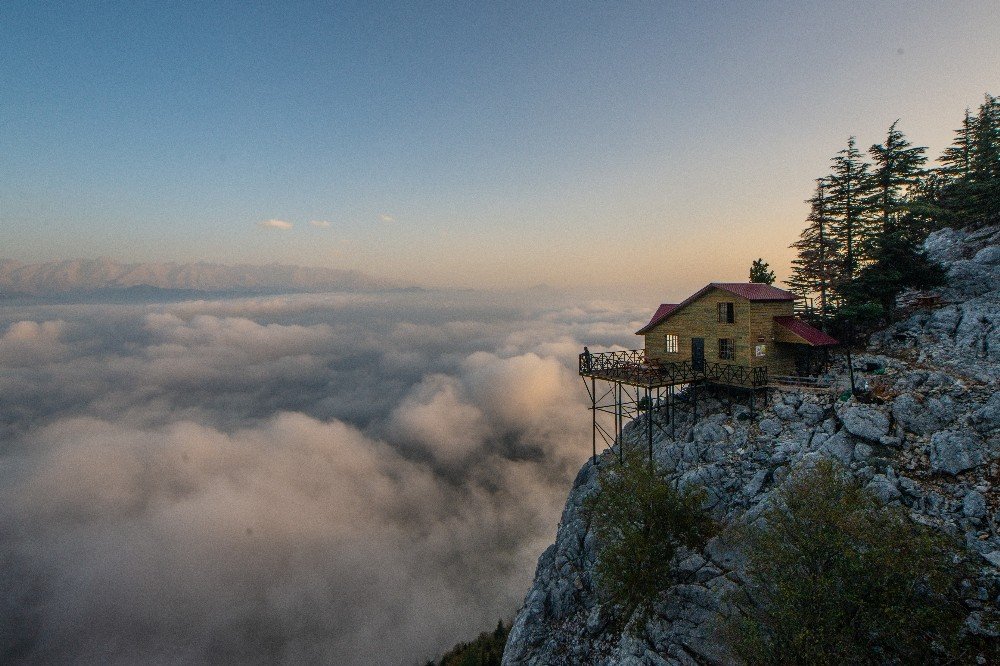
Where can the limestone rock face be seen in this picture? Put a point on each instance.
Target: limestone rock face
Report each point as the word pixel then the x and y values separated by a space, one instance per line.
pixel 931 444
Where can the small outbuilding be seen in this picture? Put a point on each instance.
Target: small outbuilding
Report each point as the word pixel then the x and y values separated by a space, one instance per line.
pixel 735 323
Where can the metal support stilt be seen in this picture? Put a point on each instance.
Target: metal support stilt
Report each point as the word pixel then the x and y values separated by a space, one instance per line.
pixel 673 414
pixel 593 411
pixel 619 425
pixel 649 422
pixel 694 398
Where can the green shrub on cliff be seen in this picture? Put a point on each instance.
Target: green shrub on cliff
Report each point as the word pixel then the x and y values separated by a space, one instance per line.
pixel 485 650
pixel 640 520
pixel 837 578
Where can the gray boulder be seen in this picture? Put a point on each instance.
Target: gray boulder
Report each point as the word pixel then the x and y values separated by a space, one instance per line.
pixel 784 412
pixel 954 451
pixel 986 419
pixel 839 446
pixel 884 489
pixel 922 418
pixel 974 504
pixel 771 427
pixel 811 413
pixel 865 422
pixel 946 245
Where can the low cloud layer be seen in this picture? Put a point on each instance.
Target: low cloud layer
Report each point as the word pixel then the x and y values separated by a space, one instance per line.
pixel 344 478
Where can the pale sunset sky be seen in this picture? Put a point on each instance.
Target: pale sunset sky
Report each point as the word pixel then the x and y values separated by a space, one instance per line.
pixel 642 145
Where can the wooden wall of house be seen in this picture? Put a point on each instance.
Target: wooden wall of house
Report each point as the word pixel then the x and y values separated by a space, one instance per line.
pixel 700 319
pixel 752 321
pixel 779 359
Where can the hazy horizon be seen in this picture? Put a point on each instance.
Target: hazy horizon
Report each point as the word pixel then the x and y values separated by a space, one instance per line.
pixel 66 279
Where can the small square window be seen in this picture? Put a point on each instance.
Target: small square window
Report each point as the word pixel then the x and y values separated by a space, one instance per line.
pixel 727 348
pixel 671 344
pixel 727 314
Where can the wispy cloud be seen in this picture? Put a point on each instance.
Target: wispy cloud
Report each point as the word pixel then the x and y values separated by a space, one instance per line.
pixel 385 217
pixel 319 224
pixel 275 224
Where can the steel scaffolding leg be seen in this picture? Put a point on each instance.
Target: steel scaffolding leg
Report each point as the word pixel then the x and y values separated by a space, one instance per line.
pixel 619 425
pixel 593 412
pixel 649 422
pixel 673 413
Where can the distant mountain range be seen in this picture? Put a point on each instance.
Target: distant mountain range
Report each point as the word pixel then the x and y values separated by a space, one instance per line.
pixel 106 275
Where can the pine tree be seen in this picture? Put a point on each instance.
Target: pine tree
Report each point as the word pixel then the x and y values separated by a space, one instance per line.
pixel 956 162
pixel 850 200
pixel 897 170
pixel 814 269
pixel 760 272
pixel 985 163
pixel 970 193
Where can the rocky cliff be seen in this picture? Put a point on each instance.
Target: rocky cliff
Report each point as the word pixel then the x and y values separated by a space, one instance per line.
pixel 929 440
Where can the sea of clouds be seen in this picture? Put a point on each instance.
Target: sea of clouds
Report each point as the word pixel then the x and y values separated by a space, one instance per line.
pixel 339 478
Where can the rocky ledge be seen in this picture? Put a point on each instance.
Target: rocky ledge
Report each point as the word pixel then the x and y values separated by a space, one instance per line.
pixel 928 439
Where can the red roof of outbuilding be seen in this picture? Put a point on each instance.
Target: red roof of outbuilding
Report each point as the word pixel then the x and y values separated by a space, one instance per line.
pixel 749 290
pixel 813 336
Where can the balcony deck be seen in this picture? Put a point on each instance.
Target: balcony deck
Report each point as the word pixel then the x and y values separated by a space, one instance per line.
pixel 631 367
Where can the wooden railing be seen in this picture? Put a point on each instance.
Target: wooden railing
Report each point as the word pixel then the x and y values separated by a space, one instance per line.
pixel 632 367
pixel 604 361
pixel 739 375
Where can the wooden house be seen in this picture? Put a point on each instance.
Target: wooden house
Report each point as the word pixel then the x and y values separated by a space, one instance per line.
pixel 735 323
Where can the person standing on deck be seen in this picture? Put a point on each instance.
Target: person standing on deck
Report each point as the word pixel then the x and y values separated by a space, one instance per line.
pixel 586 359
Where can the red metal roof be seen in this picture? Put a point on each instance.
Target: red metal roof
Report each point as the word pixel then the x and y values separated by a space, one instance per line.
pixel 754 291
pixel 660 314
pixel 813 336
pixel 749 290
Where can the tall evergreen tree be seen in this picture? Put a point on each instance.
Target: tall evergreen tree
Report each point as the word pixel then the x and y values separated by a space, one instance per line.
pixel 956 162
pixel 985 172
pixel 970 193
pixel 897 170
pixel 814 268
pixel 849 198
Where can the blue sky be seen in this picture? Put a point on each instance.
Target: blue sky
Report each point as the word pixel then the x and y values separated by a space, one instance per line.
pixel 478 144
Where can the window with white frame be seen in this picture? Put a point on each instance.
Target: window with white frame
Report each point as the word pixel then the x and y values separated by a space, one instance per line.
pixel 671 344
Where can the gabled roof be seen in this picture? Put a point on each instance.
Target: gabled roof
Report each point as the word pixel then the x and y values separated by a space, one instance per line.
pixel 751 291
pixel 813 336
pixel 661 313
